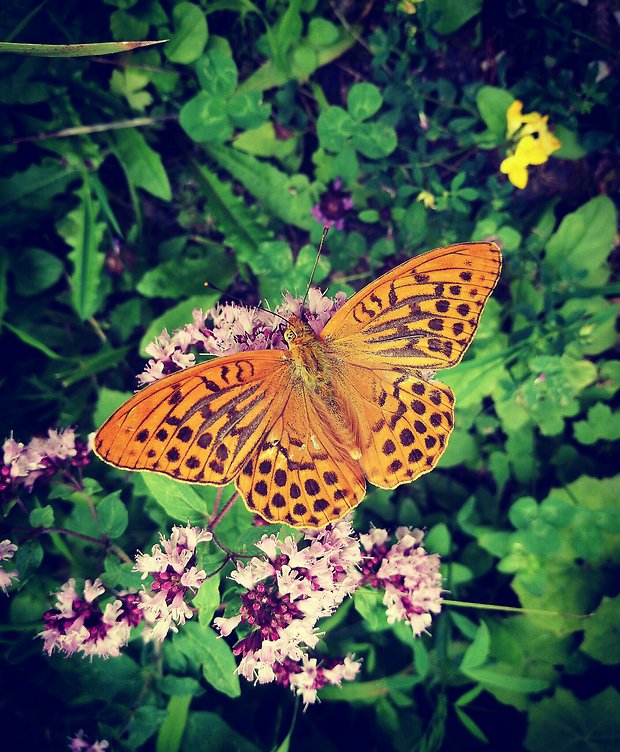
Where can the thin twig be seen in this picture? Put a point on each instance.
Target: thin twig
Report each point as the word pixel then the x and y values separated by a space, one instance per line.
pixel 81 130
pixel 515 610
pixel 215 521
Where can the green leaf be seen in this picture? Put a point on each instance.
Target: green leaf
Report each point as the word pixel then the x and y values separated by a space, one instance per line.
pixel 593 320
pixel 304 61
pixel 470 725
pixel 450 15
pixel 334 127
pixel 217 73
pixel 263 142
pixel 173 727
pixel 233 218
pixel 571 148
pixel 563 723
pixel 523 512
pixel 557 512
pixel 374 140
pixel 179 500
pixel 273 265
pixel 124 24
pixel 145 721
pixel 414 226
pixel 130 83
pixel 601 425
pixel 207 599
pixel 219 666
pixel 190 34
pixel 579 248
pixel 36 270
pixel 221 736
pixel 493 103
pixel 142 164
pixel 81 231
pixel 369 605
pixel 363 101
pixel 438 539
pixel 495 678
pixel 322 33
pixel 181 685
pixel 477 653
pixel 186 276
pixel 602 633
pixel 205 118
pixel 42 517
pixel 203 647
pixel 288 197
pixel 112 515
pixel 270 75
pixel 28 558
pixel 36 185
pixel 73 50
pixel 31 341
pixel 248 110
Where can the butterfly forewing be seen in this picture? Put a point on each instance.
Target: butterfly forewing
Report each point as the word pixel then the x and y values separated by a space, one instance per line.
pixel 200 424
pixel 423 314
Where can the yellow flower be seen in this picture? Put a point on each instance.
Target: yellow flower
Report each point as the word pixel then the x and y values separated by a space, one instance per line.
pixel 534 143
pixel 515 119
pixel 409 6
pixel 516 171
pixel 427 198
pixel 548 142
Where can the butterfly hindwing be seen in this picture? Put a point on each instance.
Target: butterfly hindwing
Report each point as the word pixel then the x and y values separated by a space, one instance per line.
pixel 301 475
pixel 200 424
pixel 404 423
pixel 424 313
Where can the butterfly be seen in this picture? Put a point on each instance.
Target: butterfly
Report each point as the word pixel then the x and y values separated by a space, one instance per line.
pixel 300 431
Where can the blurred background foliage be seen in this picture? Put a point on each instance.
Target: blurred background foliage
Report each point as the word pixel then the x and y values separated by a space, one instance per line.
pixel 128 180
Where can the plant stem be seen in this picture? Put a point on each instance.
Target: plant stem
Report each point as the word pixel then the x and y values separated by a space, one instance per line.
pixel 515 609
pixel 81 130
pixel 215 521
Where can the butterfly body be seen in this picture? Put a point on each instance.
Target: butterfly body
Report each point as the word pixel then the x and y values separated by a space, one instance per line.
pixel 299 431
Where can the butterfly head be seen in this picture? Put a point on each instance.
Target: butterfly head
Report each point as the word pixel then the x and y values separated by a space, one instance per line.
pixel 297 332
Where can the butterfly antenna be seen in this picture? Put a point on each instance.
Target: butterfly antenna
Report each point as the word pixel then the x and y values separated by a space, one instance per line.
pixel 238 300
pixel 316 263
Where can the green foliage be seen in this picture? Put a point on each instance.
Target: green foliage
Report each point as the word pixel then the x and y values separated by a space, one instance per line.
pixel 130 181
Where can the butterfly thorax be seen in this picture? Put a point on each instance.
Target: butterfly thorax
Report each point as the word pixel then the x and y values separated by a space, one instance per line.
pixel 311 363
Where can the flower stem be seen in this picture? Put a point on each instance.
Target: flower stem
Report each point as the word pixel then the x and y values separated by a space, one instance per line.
pixel 215 521
pixel 515 609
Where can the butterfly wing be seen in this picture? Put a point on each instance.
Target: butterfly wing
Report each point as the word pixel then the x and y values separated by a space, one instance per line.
pixel 423 314
pixel 390 337
pixel 200 424
pixel 404 422
pixel 302 474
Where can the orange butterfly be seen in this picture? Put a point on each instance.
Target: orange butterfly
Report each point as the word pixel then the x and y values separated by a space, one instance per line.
pixel 300 430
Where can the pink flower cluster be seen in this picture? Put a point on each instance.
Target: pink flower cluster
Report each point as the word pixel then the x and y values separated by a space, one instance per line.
pixel 295 584
pixel 173 568
pixel 286 593
pixel 80 743
pixel 408 573
pixel 233 329
pixel 7 549
pixel 78 624
pixel 42 457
